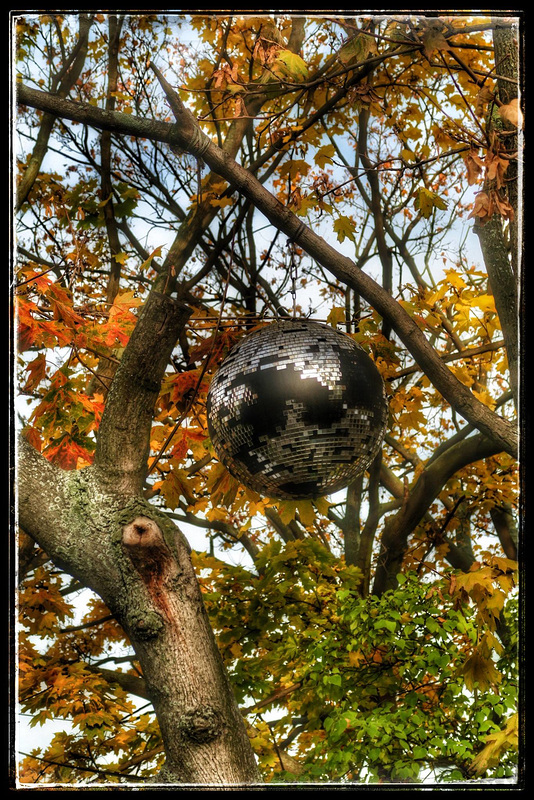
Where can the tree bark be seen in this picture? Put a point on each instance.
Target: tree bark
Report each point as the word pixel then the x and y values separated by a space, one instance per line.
pixel 398 527
pixel 124 435
pixel 138 562
pixel 66 80
pixel 502 253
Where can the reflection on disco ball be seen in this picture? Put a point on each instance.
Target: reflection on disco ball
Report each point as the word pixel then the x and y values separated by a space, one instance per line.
pixel 296 410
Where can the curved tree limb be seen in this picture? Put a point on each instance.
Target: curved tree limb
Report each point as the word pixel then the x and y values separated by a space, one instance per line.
pixel 188 135
pixel 398 527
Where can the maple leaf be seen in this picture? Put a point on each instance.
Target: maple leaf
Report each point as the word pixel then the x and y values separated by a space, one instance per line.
pixel 324 155
pixel 497 744
pixel 34 437
pixel 37 370
pixel 295 167
pixel 336 316
pixel 174 487
pixel 345 228
pixel 480 672
pixel 357 49
pixel 426 201
pixel 290 65
pixel 67 454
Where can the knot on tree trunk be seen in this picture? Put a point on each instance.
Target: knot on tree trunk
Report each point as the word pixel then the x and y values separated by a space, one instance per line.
pixel 145 625
pixel 147 548
pixel 153 559
pixel 202 724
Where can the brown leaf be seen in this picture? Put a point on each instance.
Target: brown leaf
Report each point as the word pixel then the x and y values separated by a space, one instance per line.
pixel 474 165
pixel 433 39
pixel 512 113
pixel 503 206
pixel 484 96
pixel 496 167
pixel 483 207
pixel 37 371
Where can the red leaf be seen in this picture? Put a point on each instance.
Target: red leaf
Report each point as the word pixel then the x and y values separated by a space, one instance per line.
pixel 37 371
pixel 67 453
pixel 33 436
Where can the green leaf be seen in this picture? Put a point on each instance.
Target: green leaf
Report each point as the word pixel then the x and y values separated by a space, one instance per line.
pixel 389 624
pixel 290 65
pixel 356 49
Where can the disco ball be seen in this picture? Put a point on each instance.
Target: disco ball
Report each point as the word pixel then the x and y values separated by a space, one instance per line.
pixel 296 410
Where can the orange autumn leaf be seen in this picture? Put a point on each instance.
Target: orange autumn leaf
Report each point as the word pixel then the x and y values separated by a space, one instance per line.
pixel 37 371
pixel 67 453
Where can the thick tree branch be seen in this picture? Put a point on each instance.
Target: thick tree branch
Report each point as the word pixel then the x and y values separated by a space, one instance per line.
pixel 42 499
pixel 398 527
pixel 124 435
pixel 504 287
pixel 188 135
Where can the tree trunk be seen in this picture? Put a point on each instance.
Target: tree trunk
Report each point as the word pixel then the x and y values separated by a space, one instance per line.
pixel 502 252
pixel 95 525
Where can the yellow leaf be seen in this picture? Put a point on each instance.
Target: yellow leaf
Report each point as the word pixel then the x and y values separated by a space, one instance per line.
pixel 322 505
pixel 455 279
pixel 306 512
pixel 496 745
pixel 408 155
pixel 345 228
pixel 221 202
pixel 324 155
pixel 356 658
pixel 290 65
pixel 476 580
pixel 336 316
pixel 480 672
pixel 486 302
pixel 154 254
pixel 439 294
pixel 236 650
pixel 426 201
pixel 295 167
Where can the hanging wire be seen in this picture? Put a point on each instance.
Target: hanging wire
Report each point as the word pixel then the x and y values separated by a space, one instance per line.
pixel 293 273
